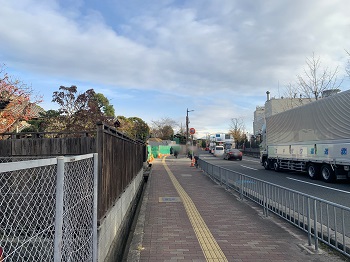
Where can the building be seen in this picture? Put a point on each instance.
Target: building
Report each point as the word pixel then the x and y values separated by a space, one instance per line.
pixel 14 116
pixel 223 139
pixel 259 120
pixel 274 106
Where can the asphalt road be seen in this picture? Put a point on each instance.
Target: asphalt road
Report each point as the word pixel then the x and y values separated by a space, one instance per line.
pixel 338 193
pixel 334 192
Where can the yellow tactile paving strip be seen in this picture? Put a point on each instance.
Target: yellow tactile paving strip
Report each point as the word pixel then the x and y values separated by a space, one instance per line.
pixel 210 247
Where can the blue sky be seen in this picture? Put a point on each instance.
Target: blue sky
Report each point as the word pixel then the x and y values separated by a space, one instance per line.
pixel 154 59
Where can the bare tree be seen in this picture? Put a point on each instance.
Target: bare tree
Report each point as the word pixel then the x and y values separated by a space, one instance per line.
pixel 293 97
pixel 163 128
pixel 237 128
pixel 315 79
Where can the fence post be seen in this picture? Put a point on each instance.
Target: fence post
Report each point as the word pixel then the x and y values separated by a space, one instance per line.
pixel 264 199
pixel 315 225
pixel 241 188
pixel 220 176
pixel 99 150
pixel 267 199
pixel 308 222
pixel 59 209
pixel 94 218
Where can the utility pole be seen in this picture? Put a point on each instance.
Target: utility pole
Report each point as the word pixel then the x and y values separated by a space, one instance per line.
pixel 187 122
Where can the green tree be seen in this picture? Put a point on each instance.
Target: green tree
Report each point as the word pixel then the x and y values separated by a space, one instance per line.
pixel 104 105
pixel 80 112
pixel 126 126
pixel 181 137
pixel 203 143
pixel 141 129
pixel 39 124
pixel 134 127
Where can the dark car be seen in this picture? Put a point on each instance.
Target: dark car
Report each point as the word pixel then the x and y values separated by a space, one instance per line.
pixel 233 154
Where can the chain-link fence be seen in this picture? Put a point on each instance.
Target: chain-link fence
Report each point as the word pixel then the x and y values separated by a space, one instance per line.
pixel 48 209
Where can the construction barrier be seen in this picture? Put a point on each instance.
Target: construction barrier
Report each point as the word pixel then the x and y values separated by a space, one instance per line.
pixel 192 161
pixel 161 150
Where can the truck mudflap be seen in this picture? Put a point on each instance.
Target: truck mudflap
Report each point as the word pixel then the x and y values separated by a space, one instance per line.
pixel 342 172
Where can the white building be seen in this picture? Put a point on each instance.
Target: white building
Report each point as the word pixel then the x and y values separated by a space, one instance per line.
pixel 224 139
pixel 274 106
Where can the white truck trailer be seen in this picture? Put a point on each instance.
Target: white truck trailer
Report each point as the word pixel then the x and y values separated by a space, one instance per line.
pixel 313 138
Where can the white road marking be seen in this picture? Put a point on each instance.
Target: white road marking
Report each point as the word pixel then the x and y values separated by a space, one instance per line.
pixel 249 167
pixel 255 161
pixel 339 190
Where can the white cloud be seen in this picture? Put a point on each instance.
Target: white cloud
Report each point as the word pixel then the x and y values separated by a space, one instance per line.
pixel 192 48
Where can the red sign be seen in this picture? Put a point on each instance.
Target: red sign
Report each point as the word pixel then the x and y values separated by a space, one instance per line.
pixel 192 131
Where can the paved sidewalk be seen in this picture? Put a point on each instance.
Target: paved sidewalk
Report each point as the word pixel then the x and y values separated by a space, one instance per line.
pixel 185 216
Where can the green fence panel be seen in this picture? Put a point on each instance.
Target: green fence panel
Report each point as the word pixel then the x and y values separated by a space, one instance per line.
pixel 155 151
pixel 149 151
pixel 164 150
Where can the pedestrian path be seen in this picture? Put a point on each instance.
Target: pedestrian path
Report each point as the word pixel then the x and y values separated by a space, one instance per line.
pixel 185 217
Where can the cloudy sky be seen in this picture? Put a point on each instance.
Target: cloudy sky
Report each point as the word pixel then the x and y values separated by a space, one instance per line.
pixel 157 58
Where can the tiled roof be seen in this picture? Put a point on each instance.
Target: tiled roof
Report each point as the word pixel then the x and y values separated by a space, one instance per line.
pixel 18 109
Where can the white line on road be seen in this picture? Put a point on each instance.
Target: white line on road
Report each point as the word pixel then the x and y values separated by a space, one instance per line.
pixel 255 161
pixel 339 190
pixel 249 167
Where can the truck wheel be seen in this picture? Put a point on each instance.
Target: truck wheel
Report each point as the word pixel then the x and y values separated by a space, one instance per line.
pixel 267 164
pixel 328 174
pixel 313 171
pixel 276 166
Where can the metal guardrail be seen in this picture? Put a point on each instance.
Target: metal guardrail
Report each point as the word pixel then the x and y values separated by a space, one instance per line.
pixel 48 209
pixel 253 152
pixel 322 220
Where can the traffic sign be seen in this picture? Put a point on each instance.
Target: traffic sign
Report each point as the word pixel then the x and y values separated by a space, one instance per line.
pixel 192 131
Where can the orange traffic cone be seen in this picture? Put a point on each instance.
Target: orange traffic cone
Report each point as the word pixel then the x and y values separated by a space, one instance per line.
pixel 192 161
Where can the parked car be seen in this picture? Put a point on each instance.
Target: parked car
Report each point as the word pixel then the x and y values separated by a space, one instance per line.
pixel 219 151
pixel 233 154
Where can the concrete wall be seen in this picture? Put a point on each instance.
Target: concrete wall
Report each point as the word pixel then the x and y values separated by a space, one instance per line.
pixel 115 225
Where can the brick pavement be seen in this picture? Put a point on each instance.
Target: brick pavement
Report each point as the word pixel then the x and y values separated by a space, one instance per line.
pixel 164 231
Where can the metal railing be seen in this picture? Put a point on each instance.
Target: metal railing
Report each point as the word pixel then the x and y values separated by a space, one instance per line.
pixel 322 220
pixel 48 209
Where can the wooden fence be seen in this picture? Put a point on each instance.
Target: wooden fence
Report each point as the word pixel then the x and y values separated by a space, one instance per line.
pixel 48 144
pixel 120 160
pixel 120 157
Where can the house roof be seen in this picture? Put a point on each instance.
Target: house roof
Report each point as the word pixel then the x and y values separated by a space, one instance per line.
pixel 18 109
